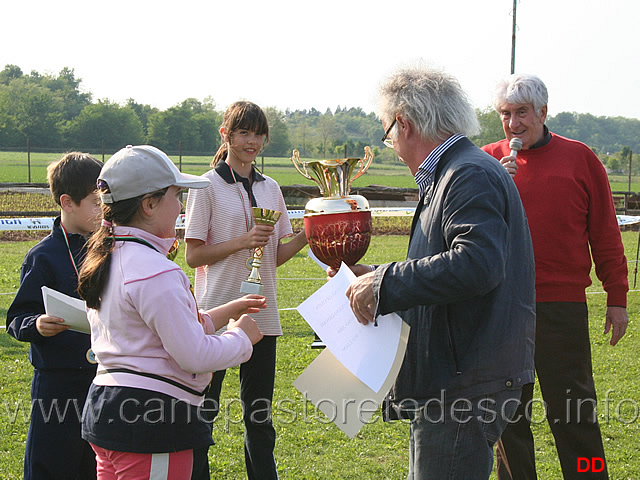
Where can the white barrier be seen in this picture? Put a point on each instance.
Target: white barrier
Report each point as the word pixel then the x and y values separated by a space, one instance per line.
pixel 627 220
pixel 10 224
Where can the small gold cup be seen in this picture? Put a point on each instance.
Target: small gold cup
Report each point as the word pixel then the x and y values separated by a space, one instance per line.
pixel 253 284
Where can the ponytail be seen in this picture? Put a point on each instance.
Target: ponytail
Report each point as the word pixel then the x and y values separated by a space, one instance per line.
pixel 95 268
pixel 221 154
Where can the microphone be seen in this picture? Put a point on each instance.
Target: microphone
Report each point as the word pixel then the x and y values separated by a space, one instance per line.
pixel 515 145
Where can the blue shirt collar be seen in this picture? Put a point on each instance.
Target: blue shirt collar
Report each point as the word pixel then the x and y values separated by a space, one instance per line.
pixel 426 171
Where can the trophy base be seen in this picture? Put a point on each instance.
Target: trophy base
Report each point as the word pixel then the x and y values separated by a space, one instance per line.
pixel 250 287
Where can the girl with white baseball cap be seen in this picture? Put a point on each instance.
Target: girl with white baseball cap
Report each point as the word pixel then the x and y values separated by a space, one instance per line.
pixel 155 350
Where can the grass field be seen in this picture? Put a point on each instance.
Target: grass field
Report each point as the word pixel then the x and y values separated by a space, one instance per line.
pixel 14 168
pixel 308 446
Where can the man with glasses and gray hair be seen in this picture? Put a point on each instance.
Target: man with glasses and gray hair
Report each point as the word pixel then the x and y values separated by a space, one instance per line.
pixel 466 288
pixel 565 191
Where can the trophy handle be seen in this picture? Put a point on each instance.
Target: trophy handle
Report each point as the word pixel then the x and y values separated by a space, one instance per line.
pixel 364 163
pixel 300 166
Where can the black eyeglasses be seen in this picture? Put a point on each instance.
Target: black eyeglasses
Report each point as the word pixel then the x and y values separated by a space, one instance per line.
pixel 385 138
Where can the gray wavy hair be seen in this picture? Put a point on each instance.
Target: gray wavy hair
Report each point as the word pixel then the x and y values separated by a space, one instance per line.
pixel 432 100
pixel 520 89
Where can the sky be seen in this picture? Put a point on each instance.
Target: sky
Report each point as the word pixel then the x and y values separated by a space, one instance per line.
pixel 300 54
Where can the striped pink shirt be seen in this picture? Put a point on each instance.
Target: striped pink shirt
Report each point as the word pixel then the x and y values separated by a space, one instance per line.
pixel 217 214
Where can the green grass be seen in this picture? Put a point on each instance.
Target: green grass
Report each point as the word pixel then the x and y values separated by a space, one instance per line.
pixel 14 169
pixel 308 447
pixel 620 183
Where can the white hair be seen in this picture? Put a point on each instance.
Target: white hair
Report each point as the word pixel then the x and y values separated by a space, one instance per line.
pixel 430 99
pixel 520 89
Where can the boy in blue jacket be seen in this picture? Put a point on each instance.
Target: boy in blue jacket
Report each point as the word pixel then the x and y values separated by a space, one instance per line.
pixel 63 364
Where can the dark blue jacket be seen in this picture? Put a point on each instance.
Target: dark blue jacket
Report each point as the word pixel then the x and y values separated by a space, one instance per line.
pixel 467 288
pixel 48 263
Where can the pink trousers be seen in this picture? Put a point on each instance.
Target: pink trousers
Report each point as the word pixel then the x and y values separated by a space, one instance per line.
pixel 113 465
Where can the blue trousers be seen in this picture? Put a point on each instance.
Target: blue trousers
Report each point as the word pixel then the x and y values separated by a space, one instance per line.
pixel 455 440
pixel 55 450
pixel 257 377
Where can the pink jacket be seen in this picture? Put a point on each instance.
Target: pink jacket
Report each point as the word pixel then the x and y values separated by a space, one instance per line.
pixel 147 322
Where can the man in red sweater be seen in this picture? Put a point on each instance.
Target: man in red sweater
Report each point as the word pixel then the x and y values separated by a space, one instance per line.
pixel 567 198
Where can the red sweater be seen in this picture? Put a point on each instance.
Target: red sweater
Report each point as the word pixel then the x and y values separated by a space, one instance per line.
pixel 566 195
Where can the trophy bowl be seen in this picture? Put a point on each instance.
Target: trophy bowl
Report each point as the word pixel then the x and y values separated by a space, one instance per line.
pixel 337 225
pixel 339 237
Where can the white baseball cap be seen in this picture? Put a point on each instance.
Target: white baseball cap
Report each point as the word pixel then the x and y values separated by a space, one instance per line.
pixel 141 169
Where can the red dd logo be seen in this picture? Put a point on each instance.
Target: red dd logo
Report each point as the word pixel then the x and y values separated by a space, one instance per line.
pixel 594 464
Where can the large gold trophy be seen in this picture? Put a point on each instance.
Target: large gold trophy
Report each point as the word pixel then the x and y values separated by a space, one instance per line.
pixel 253 284
pixel 337 225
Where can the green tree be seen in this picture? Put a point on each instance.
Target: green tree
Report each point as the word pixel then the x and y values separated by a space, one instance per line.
pixel 316 134
pixel 565 122
pixel 9 133
pixel 67 87
pixel 38 106
pixel 174 127
pixel 184 124
pixel 208 121
pixel 490 127
pixel 604 134
pixel 623 155
pixel 143 112
pixel 112 123
pixel 614 164
pixel 36 111
pixel 158 130
pixel 300 132
pixel 279 144
pixel 326 130
pixel 9 73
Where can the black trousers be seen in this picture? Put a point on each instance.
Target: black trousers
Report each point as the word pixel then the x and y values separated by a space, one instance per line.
pixel 257 377
pixel 563 365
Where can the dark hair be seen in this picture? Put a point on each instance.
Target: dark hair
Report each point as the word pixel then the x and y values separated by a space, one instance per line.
pixel 94 272
pixel 242 115
pixel 75 174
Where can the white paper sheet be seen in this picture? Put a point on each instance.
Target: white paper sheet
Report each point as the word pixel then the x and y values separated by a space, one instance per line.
pixel 337 393
pixel 366 351
pixel 72 310
pixel 320 263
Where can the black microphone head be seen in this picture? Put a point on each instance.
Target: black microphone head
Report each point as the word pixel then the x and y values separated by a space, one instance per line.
pixel 515 144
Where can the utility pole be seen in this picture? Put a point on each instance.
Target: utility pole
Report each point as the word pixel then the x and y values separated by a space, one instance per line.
pixel 630 159
pixel 513 40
